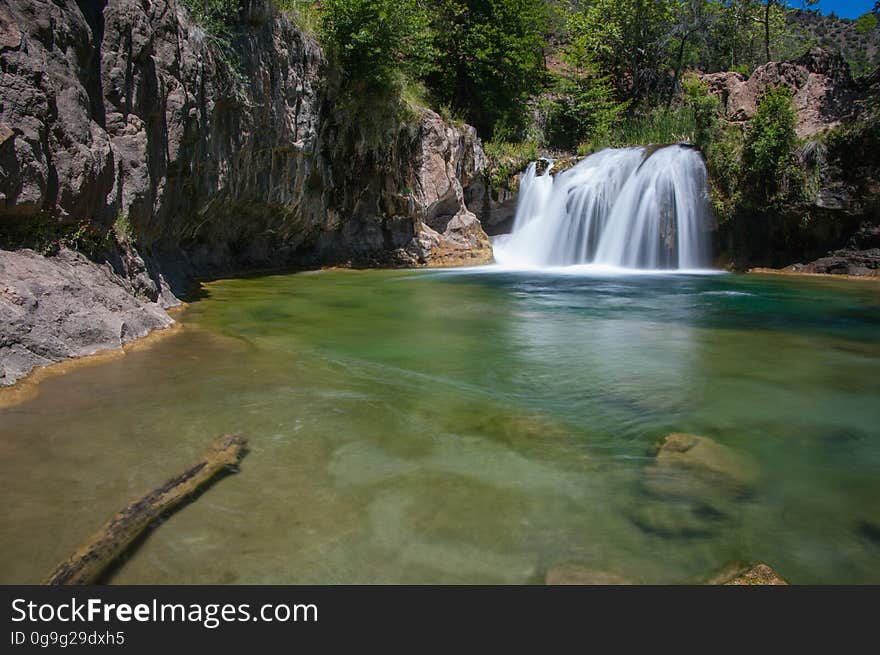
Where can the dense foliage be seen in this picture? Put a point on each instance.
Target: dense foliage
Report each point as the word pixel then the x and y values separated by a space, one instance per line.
pixel 490 59
pixel 376 41
pixel 480 58
pixel 770 165
pixel 559 72
pixel 215 15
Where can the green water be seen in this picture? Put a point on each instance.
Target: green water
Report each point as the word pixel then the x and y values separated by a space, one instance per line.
pixel 450 427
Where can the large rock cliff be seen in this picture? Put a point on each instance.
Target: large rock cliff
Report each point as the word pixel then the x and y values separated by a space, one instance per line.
pixel 232 154
pixel 217 153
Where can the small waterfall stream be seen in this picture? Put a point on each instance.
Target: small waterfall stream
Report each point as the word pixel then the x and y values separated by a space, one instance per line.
pixel 626 207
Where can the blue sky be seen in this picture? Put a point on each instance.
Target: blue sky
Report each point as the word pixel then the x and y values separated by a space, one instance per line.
pixel 843 8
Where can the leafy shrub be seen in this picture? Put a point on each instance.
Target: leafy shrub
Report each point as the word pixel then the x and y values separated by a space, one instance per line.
pixel 770 166
pixel 706 110
pixel 305 13
pixel 506 159
pixel 724 161
pixel 582 110
pixel 124 230
pixel 46 234
pixel 215 16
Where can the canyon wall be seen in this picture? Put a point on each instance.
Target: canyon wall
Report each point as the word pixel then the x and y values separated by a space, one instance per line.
pixel 227 154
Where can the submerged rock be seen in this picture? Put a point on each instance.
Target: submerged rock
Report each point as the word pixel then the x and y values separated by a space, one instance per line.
pixel 677 519
pixel 871 530
pixel 693 487
pixel 700 456
pixel 759 574
pixel 576 574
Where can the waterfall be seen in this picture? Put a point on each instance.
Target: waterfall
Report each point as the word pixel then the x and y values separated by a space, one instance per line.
pixel 623 207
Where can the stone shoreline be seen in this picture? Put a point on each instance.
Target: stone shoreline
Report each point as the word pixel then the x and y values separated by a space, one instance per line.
pixel 792 272
pixel 54 309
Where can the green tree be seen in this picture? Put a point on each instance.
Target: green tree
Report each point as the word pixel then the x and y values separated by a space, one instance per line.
pixel 689 31
pixel 628 40
pixel 583 109
pixel 375 41
pixel 489 60
pixel 866 23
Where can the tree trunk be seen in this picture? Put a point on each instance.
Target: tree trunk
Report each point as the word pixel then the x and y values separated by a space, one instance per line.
pixel 93 557
pixel 678 64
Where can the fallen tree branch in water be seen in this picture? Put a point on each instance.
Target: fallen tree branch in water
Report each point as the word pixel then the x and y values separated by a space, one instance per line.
pixel 92 558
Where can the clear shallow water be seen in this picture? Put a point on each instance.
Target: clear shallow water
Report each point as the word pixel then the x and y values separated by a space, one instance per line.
pixel 470 426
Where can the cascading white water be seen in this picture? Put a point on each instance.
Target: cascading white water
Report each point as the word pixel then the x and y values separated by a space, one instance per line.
pixel 624 207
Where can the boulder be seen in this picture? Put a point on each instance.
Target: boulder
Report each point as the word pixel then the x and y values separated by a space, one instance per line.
pixel 759 574
pixel 692 486
pixel 820 81
pixel 700 458
pixel 447 232
pixel 65 306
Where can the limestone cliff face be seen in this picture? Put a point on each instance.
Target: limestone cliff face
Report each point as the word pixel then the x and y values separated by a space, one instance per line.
pixel 220 157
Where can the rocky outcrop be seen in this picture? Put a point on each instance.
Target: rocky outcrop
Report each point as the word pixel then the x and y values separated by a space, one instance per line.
pixel 817 231
pixel 66 306
pixel 860 263
pixel 446 231
pixel 760 574
pixel 219 156
pixel 820 81
pixel 494 205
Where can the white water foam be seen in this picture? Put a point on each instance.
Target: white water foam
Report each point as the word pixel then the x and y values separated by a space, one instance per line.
pixel 619 210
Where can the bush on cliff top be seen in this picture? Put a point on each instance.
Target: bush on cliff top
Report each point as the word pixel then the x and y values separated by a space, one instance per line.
pixel 215 16
pixel 506 159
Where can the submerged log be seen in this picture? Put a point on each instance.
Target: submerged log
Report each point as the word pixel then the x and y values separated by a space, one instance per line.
pixel 92 558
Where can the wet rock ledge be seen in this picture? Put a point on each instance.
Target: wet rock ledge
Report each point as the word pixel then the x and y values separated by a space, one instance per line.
pixel 66 306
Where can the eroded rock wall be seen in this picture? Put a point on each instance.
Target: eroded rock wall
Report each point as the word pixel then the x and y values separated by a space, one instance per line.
pixel 224 155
